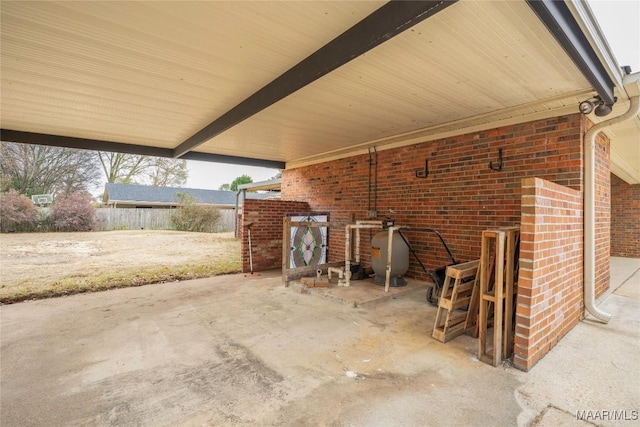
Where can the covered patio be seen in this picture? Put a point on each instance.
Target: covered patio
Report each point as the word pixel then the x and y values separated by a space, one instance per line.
pixel 460 116
pixel 235 350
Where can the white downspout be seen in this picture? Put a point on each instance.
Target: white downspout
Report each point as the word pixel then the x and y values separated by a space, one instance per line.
pixel 589 208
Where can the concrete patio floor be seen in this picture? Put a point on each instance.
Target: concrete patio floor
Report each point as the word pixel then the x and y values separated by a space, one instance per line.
pixel 235 350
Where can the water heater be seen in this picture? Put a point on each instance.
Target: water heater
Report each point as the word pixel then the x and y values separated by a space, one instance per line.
pixel 399 258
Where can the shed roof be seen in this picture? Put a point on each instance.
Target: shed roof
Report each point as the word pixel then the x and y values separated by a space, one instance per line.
pixel 152 195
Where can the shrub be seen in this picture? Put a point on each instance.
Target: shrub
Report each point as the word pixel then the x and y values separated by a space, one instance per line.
pixel 73 212
pixel 192 217
pixel 17 212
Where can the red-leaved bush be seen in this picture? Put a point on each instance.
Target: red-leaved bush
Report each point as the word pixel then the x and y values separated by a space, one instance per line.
pixel 17 212
pixel 73 212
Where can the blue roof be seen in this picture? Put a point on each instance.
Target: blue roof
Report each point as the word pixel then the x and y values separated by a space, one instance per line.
pixel 141 194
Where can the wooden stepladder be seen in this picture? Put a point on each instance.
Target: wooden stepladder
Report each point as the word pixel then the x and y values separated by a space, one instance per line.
pixel 496 273
pixel 450 320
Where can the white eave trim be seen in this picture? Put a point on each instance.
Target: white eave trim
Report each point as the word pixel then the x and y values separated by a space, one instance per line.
pixel 592 31
pixel 460 127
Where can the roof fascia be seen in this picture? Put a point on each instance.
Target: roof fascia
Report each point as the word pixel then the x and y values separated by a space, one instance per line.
pixel 9 135
pixel 559 20
pixel 262 185
pixel 589 24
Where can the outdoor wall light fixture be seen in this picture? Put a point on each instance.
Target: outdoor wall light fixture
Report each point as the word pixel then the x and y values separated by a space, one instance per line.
pixel 597 104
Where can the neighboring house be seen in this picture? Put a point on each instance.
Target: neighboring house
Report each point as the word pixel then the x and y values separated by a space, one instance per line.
pixel 147 196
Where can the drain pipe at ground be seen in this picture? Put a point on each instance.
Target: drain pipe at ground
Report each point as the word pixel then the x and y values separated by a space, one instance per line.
pixel 589 208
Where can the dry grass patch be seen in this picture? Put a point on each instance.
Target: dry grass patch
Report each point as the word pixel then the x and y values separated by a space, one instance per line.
pixel 43 265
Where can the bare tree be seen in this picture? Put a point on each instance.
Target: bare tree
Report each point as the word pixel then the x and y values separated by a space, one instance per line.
pixel 39 169
pixel 137 169
pixel 122 168
pixel 276 176
pixel 168 172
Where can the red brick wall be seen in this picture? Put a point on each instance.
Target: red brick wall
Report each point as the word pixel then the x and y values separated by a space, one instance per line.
pixel 461 197
pixel 625 218
pixel 549 296
pixel 266 231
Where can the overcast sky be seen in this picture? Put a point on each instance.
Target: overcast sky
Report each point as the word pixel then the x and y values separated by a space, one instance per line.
pixel 618 19
pixel 620 22
pixel 211 176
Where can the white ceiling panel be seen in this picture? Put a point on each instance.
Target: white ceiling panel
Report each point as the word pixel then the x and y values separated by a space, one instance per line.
pixel 424 77
pixel 153 74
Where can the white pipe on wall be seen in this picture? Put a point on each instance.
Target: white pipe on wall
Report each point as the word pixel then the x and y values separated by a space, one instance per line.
pixel 337 270
pixel 347 252
pixel 589 208
pixel 347 244
pixel 357 246
pixel 387 277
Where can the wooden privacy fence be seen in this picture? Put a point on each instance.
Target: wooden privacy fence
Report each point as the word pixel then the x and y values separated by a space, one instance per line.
pixel 150 219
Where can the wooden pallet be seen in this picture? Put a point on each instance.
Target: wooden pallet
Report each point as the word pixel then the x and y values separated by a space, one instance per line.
pixel 497 263
pixel 450 319
pixel 471 323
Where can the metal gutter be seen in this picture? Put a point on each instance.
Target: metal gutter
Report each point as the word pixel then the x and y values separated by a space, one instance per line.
pixel 591 29
pixel 559 20
pixel 270 185
pixel 583 14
